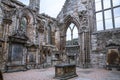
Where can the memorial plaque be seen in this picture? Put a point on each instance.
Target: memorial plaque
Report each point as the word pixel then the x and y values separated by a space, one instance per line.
pixel 17 52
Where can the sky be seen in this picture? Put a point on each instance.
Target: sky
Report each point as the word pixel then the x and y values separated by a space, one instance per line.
pixel 49 7
pixel 26 2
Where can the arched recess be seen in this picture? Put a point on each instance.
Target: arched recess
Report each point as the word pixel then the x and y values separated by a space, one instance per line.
pixel 27 14
pixel 23 24
pixel 49 34
pixel 25 31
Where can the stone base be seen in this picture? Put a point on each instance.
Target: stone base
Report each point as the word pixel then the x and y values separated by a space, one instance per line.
pixel 66 77
pixel 112 67
pixel 15 68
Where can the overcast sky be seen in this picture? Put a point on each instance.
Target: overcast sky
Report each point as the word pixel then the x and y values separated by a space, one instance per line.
pixel 50 7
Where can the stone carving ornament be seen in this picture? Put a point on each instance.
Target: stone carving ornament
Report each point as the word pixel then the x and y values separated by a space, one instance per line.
pixel 8 3
pixel 83 17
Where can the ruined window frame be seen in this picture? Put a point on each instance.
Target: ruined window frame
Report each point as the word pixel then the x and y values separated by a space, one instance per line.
pixel 111 8
pixel 72 30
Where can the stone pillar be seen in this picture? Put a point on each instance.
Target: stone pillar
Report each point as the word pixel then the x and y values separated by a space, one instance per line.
pixel 87 50
pixel 25 56
pixel 6 24
pixel 72 36
pixel 84 54
pixel 49 35
pixel 62 47
pixel 57 39
pixel 81 49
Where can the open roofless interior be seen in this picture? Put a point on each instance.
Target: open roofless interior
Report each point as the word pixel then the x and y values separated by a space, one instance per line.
pixel 81 43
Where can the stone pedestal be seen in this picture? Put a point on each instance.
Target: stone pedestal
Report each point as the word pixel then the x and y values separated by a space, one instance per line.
pixel 65 71
pixel 15 68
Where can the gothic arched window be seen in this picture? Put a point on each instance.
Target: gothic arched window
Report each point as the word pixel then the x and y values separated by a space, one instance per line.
pixel 72 35
pixel 23 24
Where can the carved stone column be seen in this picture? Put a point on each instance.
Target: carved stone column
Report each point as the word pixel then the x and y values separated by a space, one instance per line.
pixel 85 39
pixel 85 53
pixel 6 24
pixel 82 53
pixel 62 47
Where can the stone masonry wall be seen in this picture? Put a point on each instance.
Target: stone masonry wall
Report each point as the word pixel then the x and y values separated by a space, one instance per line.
pixel 99 49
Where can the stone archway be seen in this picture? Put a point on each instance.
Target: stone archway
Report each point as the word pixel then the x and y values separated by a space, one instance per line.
pixel 67 21
pixel 29 15
pixel 83 35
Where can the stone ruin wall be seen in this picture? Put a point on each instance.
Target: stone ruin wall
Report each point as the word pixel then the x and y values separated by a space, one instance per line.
pixel 99 49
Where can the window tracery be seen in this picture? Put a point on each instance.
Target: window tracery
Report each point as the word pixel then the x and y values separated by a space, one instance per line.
pixel 72 35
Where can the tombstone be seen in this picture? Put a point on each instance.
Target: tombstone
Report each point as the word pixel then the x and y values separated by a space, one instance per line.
pixel 65 71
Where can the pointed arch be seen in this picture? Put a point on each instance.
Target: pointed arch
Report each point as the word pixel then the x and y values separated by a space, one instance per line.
pixel 31 20
pixel 28 13
pixel 25 13
pixel 70 19
pixel 49 34
pixel 72 35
